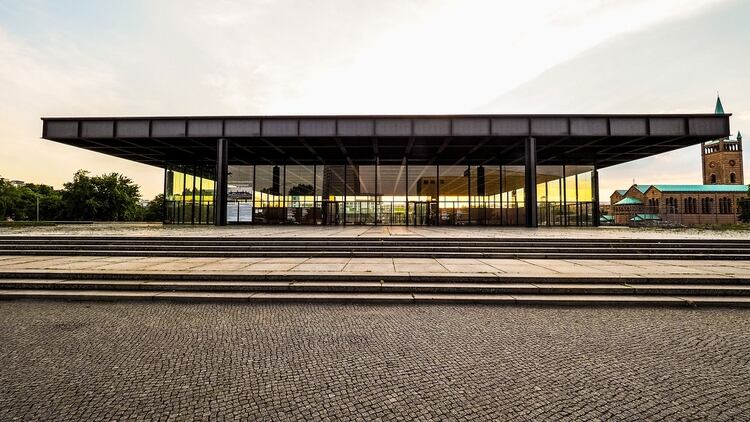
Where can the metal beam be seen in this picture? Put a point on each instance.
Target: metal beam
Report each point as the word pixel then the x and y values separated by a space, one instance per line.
pixel 530 183
pixel 220 193
pixel 595 189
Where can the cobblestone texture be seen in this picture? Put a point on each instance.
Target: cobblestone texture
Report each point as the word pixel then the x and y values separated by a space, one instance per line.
pixel 144 361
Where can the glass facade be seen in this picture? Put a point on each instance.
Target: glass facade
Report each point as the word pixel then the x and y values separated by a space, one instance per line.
pixel 189 195
pixel 565 195
pixel 371 194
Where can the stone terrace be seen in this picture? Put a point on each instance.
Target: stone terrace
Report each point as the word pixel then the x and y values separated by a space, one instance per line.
pixel 501 268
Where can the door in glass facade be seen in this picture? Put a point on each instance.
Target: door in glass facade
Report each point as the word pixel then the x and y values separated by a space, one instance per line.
pixel 422 195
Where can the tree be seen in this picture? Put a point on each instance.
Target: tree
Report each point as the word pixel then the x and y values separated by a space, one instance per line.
pixel 301 190
pixel 154 210
pixel 109 197
pixel 9 200
pixel 118 198
pixel 79 197
pixel 20 202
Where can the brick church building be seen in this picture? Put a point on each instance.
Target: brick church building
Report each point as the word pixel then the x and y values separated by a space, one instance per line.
pixel 713 202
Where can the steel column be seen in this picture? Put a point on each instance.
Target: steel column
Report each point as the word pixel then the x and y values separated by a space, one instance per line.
pixel 595 197
pixel 220 194
pixel 530 183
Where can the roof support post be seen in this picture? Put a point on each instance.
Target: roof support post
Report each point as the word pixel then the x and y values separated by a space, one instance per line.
pixel 595 196
pixel 220 194
pixel 530 183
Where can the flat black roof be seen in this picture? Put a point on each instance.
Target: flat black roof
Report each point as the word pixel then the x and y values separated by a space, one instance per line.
pixel 604 139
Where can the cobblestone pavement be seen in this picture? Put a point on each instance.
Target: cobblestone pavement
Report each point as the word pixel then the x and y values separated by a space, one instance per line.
pixel 121 361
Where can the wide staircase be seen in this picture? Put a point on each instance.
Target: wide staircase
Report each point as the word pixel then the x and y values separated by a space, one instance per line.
pixel 370 247
pixel 402 288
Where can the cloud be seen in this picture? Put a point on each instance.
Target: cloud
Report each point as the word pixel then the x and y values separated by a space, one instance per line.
pixel 673 68
pixel 194 57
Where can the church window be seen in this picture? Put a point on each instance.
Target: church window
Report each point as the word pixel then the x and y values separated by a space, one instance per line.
pixel 732 178
pixel 713 179
pixel 690 205
pixel 672 205
pixel 725 206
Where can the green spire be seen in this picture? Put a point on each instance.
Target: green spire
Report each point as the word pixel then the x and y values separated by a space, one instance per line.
pixel 739 136
pixel 719 108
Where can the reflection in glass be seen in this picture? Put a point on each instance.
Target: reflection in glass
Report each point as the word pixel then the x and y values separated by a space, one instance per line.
pixel 513 182
pixel 188 195
pixel 422 195
pixel 385 194
pixel 485 196
pixel 454 195
pixel 300 194
pixel 240 194
pixel 391 184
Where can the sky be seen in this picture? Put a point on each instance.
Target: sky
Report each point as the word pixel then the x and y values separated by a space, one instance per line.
pixel 192 57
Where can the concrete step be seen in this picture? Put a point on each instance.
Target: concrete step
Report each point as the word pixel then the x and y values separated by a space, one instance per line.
pixel 573 254
pixel 377 247
pixel 372 239
pixel 383 248
pixel 346 277
pixel 397 298
pixel 606 288
pixel 365 244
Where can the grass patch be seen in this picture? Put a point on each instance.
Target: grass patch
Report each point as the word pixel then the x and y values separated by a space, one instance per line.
pixel 26 223
pixel 725 227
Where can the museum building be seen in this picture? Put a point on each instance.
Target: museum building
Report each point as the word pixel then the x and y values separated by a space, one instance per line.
pixel 508 170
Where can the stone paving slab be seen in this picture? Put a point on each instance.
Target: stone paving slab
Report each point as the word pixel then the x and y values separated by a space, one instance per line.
pixel 597 299
pixel 78 294
pixel 417 267
pixel 333 297
pixel 715 300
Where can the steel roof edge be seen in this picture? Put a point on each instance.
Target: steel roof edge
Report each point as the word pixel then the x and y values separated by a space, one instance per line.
pixel 386 116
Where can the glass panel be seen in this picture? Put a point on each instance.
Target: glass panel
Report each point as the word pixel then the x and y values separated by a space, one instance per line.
pixel 207 209
pixel 392 193
pixel 172 195
pixel 300 190
pixel 360 194
pixel 332 194
pixel 454 195
pixel 268 201
pixel 422 196
pixel 188 196
pixel 485 195
pixel 549 195
pixel 579 195
pixel 317 212
pixel 240 194
pixel 514 212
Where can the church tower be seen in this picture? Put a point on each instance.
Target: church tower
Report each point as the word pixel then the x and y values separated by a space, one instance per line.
pixel 722 158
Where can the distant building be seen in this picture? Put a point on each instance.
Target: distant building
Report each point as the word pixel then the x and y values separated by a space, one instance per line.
pixel 714 202
pixel 677 204
pixel 722 158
